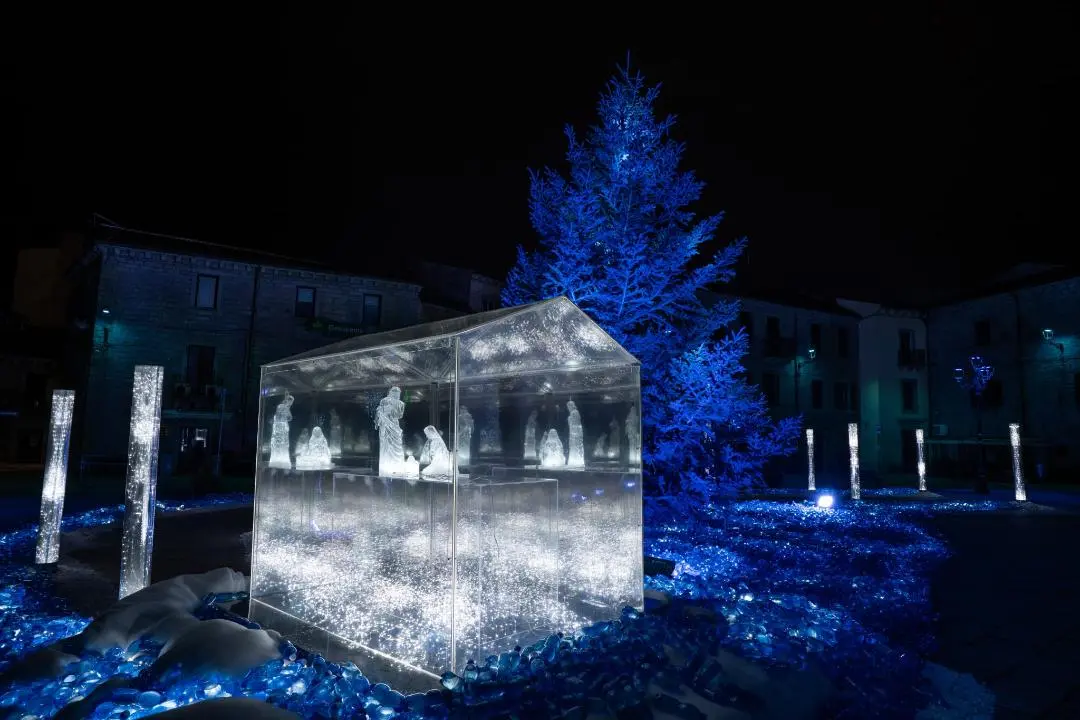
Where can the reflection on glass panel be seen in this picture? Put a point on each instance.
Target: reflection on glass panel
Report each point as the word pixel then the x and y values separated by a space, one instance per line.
pixel 450 491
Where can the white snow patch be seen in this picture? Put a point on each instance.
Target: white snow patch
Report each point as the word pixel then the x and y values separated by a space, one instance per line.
pixel 163 611
pixel 219 646
pixel 160 610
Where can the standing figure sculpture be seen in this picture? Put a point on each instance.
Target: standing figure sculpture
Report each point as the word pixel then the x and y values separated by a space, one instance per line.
pixel 337 435
pixel 530 437
pixel 316 455
pixel 388 424
pixel 279 435
pixel 551 452
pixel 575 456
pixel 435 456
pixel 464 431
pixel 633 436
pixel 614 448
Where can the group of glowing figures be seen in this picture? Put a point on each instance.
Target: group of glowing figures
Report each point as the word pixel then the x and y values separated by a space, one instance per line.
pixel 313 451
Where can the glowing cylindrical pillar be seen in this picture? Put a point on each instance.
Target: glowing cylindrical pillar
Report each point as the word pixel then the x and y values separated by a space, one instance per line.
pixel 1018 464
pixel 141 491
pixel 52 489
pixel 920 445
pixel 812 479
pixel 853 446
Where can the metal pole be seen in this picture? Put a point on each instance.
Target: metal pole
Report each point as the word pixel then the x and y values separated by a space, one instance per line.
pixel 981 485
pixel 221 431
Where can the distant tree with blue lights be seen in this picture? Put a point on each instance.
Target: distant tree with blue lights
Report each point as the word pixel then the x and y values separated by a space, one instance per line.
pixel 618 239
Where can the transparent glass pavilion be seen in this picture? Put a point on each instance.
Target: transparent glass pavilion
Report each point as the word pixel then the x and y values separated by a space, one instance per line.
pixel 447 491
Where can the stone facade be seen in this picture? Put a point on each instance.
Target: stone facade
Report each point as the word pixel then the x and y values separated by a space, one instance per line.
pixel 1036 379
pixel 823 388
pixel 894 389
pixel 225 317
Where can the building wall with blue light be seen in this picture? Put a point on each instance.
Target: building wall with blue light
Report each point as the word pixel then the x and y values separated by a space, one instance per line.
pixel 894 389
pixel 150 311
pixel 824 388
pixel 1031 336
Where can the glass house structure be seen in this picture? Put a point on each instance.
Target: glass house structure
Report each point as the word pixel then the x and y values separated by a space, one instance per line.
pixel 447 491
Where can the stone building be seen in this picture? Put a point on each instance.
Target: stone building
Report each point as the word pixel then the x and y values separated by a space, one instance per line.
pixel 894 397
pixel 211 316
pixel 1026 324
pixel 804 356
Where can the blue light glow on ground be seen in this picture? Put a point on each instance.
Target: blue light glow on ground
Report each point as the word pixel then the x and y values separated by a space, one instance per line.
pixel 786 583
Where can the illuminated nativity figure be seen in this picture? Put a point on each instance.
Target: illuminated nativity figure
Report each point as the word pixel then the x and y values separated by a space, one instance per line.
pixel 301 443
pixel 464 431
pixel 388 423
pixel 435 456
pixel 613 439
pixel 576 455
pixel 316 455
pixel 530 437
pixel 551 452
pixel 337 434
pixel 633 435
pixel 279 435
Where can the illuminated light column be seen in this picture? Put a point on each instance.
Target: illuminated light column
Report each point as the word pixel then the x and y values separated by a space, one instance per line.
pixel 140 500
pixel 920 445
pixel 1018 465
pixel 52 489
pixel 853 446
pixel 810 459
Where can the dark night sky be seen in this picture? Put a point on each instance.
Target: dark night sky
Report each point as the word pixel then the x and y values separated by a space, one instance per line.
pixel 856 151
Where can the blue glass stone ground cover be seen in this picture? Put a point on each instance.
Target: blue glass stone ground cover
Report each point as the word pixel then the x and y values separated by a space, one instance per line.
pixel 781 582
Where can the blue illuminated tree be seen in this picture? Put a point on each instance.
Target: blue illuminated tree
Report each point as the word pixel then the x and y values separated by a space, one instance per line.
pixel 618 238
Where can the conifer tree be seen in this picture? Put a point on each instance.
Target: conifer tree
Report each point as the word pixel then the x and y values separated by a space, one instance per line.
pixel 617 236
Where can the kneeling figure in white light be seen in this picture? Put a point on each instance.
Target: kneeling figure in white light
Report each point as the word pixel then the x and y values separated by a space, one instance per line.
pixel 316 454
pixel 435 455
pixel 551 453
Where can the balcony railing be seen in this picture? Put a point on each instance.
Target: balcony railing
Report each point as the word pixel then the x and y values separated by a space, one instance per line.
pixel 184 397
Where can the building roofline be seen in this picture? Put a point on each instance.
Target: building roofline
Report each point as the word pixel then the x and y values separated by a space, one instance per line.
pixel 1053 274
pixel 175 244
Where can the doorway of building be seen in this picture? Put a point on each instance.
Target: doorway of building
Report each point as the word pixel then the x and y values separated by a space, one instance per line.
pixel 909 450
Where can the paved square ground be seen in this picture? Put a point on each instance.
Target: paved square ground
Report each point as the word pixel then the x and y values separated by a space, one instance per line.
pixel 1009 605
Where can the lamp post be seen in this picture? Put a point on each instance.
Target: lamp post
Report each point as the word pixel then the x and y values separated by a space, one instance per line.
pixel 975 377
pixel 811 354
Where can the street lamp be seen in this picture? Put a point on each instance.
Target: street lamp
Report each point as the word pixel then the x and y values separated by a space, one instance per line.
pixel 811 355
pixel 975 378
pixel 1048 337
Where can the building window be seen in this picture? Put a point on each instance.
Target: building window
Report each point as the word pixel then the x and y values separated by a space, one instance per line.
pixel 489 302
pixel 993 395
pixel 815 336
pixel 305 302
pixel 770 385
pixel 746 321
pixel 817 390
pixel 206 292
pixel 200 366
pixel 982 332
pixel 907 341
pixel 772 327
pixel 372 312
pixel 842 342
pixel 842 396
pixel 909 395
